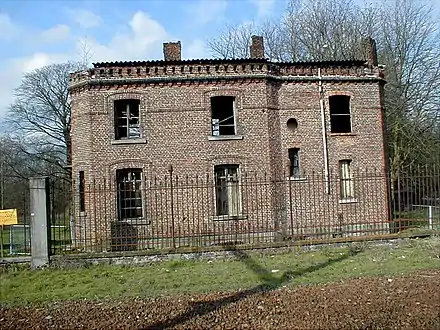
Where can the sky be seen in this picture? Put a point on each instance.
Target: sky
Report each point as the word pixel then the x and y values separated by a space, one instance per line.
pixel 37 33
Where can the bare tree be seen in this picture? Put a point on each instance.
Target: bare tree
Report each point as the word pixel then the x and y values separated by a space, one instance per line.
pixel 409 46
pixel 408 42
pixel 41 114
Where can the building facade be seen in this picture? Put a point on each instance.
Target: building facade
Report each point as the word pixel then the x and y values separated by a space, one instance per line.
pixel 222 123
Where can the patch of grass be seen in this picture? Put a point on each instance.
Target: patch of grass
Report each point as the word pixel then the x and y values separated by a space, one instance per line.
pixel 22 286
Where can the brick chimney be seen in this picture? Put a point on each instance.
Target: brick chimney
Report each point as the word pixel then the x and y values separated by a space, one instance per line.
pixel 172 51
pixel 370 52
pixel 257 47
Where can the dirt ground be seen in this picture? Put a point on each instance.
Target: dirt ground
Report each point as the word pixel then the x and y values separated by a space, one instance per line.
pixel 410 302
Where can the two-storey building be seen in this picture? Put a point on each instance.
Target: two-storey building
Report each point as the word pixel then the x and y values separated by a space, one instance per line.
pixel 222 122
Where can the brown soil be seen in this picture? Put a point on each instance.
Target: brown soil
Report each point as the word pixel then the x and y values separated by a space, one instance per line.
pixel 410 302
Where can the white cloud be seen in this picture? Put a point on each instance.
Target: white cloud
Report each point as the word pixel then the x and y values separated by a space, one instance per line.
pixel 55 34
pixel 7 29
pixel 85 18
pixel 12 71
pixel 203 12
pixel 140 39
pixel 264 7
pixel 143 41
pixel 194 50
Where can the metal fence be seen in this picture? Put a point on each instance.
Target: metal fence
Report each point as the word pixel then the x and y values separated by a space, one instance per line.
pixel 132 212
pixel 15 239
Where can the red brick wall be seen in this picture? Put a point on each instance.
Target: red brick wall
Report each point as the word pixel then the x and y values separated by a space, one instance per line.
pixel 175 126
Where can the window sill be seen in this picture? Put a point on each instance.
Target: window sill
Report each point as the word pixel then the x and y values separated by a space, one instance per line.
pixel 228 217
pixel 296 178
pixel 134 222
pixel 225 137
pixel 348 201
pixel 343 134
pixel 82 214
pixel 129 141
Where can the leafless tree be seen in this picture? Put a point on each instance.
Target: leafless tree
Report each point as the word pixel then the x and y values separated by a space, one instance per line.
pixel 409 46
pixel 408 42
pixel 40 114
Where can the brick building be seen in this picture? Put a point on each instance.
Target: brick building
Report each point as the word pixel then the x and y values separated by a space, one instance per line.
pixel 226 121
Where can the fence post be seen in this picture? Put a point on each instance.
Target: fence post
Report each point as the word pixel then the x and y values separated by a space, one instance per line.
pixel 40 215
pixel 430 217
pixel 173 237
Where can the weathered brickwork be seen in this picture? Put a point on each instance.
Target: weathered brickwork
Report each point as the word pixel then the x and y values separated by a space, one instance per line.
pixel 175 125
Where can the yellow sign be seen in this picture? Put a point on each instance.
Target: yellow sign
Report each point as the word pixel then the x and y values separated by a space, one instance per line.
pixel 8 217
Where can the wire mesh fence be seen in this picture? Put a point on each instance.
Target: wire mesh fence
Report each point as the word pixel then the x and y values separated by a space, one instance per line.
pixel 132 211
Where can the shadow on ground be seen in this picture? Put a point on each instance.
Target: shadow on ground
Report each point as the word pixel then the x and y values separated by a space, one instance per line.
pixel 268 281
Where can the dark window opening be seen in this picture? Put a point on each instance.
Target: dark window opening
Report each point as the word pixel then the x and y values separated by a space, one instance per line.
pixel 347 186
pixel 129 193
pixel 82 197
pixel 227 190
pixel 223 115
pixel 127 119
pixel 294 162
pixel 340 119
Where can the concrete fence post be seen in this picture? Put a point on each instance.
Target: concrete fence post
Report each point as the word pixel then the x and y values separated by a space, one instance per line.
pixel 40 225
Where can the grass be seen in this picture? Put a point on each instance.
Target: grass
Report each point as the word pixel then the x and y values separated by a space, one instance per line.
pixel 22 286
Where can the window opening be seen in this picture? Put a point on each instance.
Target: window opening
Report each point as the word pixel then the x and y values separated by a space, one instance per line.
pixel 129 193
pixel 227 190
pixel 294 162
pixel 82 197
pixel 223 115
pixel 347 186
pixel 127 119
pixel 340 119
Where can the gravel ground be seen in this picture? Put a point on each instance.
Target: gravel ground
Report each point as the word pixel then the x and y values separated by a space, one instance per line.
pixel 407 302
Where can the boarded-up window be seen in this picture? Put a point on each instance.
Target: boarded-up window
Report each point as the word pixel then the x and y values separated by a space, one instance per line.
pixel 347 187
pixel 340 119
pixel 227 190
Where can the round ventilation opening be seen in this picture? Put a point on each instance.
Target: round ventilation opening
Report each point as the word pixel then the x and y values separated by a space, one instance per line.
pixel 292 124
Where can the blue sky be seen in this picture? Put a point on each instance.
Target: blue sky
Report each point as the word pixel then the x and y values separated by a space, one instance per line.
pixel 37 33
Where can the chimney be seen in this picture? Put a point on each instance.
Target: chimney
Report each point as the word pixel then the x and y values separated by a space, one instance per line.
pixel 370 52
pixel 257 47
pixel 172 51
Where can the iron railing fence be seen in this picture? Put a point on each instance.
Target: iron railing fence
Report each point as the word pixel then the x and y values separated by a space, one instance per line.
pixel 132 211
pixel 15 238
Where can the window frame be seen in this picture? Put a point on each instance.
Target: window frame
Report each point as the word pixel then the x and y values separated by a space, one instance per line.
pixel 138 191
pixel 333 115
pixel 346 182
pixel 128 117
pixel 237 210
pixel 81 191
pixel 234 116
pixel 296 152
